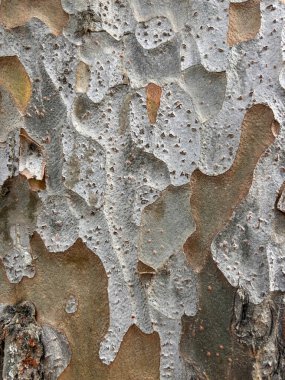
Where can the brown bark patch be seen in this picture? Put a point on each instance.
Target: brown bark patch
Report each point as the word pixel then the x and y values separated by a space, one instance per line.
pixel 37 185
pixel 15 79
pixel 244 21
pixel 145 269
pixel 138 358
pixel 15 13
pixel 153 95
pixel 214 198
pixel 207 341
pixel 77 272
pixel 82 77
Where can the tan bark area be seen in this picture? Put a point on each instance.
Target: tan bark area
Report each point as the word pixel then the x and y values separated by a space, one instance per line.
pixel 15 79
pixel 214 198
pixel 138 358
pixel 244 21
pixel 238 329
pixel 153 95
pixel 14 13
pixel 78 272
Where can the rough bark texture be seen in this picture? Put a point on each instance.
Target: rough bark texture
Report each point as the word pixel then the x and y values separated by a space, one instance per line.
pixel 142 197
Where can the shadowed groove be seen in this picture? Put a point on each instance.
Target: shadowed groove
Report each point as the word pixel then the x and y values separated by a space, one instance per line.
pixel 31 162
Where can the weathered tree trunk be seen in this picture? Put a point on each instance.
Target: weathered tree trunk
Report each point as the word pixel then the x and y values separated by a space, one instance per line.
pixel 142 203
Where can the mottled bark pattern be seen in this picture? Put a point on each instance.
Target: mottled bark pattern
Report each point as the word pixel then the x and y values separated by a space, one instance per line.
pixel 142 201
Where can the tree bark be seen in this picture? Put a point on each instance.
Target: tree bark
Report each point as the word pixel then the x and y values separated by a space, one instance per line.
pixel 142 191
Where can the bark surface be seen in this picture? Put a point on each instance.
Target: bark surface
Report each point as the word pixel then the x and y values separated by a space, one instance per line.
pixel 142 197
